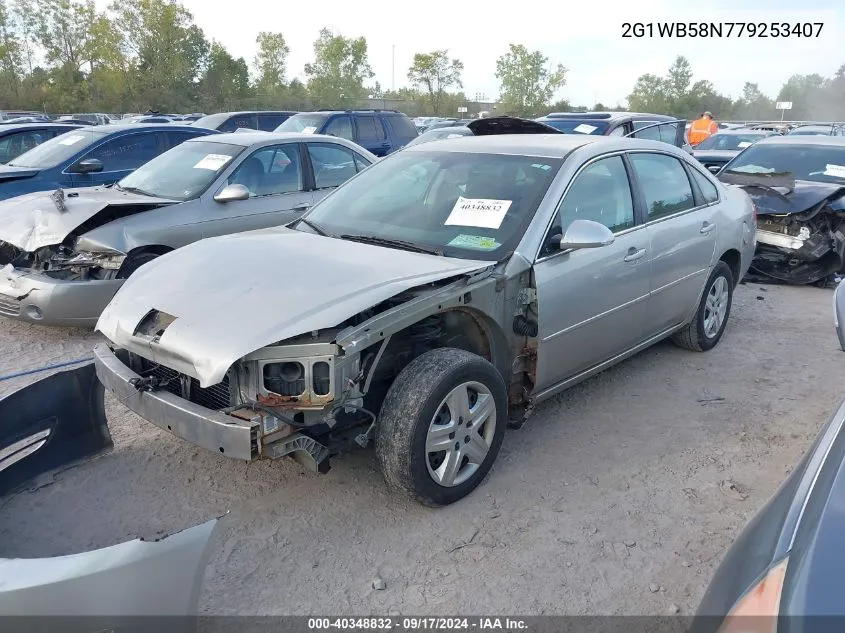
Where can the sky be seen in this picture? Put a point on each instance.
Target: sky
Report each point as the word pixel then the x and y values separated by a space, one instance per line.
pixel 585 37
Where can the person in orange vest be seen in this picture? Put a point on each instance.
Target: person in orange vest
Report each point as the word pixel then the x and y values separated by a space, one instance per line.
pixel 702 128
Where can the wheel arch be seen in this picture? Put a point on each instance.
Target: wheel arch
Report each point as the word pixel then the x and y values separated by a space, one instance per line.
pixel 733 259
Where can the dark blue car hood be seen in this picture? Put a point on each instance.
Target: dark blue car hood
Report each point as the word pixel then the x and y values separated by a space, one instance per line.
pixel 16 173
pixel 782 195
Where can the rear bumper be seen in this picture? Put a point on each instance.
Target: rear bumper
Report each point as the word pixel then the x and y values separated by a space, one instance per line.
pixel 191 422
pixel 35 298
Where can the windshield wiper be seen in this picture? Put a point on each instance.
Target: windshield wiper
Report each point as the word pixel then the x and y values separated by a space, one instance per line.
pixel 140 192
pixel 320 231
pixel 383 241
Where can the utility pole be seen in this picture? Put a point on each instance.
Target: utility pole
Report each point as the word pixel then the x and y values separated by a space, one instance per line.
pixel 393 69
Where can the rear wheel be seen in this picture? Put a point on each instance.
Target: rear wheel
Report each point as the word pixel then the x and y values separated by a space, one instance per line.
pixel 441 426
pixel 705 330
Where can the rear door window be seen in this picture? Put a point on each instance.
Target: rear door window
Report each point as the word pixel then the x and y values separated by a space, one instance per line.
pixel 367 128
pixel 333 165
pixel 175 138
pixel 664 183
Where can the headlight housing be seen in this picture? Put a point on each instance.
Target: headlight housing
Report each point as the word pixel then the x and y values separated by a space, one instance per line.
pixel 757 610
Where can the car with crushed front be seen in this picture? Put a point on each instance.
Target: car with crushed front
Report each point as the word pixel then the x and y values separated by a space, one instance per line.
pixel 429 302
pixel 798 186
pixel 64 254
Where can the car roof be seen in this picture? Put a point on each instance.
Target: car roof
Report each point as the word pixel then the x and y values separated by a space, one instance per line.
pixel 816 126
pixel 545 145
pixel 236 112
pixel 802 139
pixel 741 130
pixel 249 138
pixel 40 126
pixel 111 128
pixel 607 116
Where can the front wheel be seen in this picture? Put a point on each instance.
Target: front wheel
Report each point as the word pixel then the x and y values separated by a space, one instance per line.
pixel 441 426
pixel 705 330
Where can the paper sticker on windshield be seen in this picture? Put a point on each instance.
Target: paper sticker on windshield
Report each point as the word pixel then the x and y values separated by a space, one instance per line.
pixel 480 212
pixel 309 130
pixel 479 242
pixel 743 144
pixel 834 170
pixel 583 128
pixel 73 139
pixel 213 162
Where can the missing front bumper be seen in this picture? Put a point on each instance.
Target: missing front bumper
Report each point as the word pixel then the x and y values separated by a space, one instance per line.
pixel 218 432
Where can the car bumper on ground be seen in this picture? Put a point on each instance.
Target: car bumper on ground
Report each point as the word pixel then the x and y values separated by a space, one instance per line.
pixel 36 298
pixel 209 429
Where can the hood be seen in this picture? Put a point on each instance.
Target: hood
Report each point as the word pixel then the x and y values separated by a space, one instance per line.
pixel 34 220
pixel 779 195
pixel 509 125
pixel 235 294
pixel 722 155
pixel 16 173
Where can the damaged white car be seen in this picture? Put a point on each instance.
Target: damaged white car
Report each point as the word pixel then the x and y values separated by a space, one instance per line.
pixel 430 302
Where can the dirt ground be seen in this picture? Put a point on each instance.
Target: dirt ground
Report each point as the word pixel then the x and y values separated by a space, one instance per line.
pixel 615 498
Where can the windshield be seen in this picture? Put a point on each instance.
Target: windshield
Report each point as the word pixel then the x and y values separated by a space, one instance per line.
pixel 469 205
pixel 803 162
pixel 576 126
pixel 58 149
pixel 308 123
pixel 729 141
pixel 181 173
pixel 211 121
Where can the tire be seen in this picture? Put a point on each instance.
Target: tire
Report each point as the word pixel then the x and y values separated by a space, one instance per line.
pixel 701 334
pixel 133 263
pixel 427 394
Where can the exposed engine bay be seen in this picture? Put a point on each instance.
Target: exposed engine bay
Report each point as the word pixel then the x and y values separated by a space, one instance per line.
pixel 63 262
pixel 802 248
pixel 800 227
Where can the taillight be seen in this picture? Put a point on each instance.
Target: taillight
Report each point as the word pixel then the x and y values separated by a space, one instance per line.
pixel 757 611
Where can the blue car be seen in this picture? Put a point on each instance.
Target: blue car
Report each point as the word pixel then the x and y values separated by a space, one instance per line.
pixel 90 156
pixel 18 138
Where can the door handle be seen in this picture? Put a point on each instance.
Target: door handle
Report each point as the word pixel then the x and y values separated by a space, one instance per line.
pixel 634 254
pixel 301 207
pixel 706 228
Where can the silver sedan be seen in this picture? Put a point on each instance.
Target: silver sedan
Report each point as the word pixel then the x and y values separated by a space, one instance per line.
pixel 449 289
pixel 63 254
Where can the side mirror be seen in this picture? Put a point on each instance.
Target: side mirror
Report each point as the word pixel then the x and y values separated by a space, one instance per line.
pixel 714 169
pixel 87 166
pixel 586 234
pixel 230 193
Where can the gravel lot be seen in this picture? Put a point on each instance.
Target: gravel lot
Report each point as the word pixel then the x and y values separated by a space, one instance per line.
pixel 618 497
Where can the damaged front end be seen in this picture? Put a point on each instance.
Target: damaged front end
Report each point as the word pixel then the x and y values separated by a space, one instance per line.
pixel 800 228
pixel 52 424
pixel 58 284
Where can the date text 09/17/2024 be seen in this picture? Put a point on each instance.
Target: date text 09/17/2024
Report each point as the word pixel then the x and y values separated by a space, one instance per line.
pixel 722 29
pixel 504 624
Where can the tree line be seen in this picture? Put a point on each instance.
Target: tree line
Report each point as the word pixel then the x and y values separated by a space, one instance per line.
pixel 813 97
pixel 64 56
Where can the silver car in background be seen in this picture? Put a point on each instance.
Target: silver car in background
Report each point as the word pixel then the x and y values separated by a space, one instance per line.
pixel 438 297
pixel 63 254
